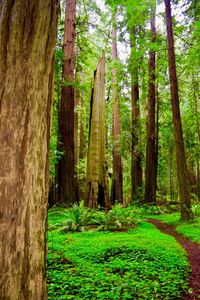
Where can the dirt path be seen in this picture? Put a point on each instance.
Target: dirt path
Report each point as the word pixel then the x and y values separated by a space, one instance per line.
pixel 193 251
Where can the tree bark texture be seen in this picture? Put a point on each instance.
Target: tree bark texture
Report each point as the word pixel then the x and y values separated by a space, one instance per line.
pixel 117 185
pixel 150 173
pixel 136 167
pixel 183 181
pixel 67 182
pixel 27 42
pixel 97 193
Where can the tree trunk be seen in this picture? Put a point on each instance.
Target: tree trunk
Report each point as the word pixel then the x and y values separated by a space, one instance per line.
pixel 76 119
pixel 27 42
pixel 136 167
pixel 82 137
pixel 150 174
pixel 183 182
pixel 157 134
pixel 117 193
pixel 97 178
pixel 195 87
pixel 67 181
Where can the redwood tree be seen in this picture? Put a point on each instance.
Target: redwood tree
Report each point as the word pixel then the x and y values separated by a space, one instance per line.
pixel 150 173
pixel 183 180
pixel 67 189
pixel 97 175
pixel 117 193
pixel 27 42
pixel 136 167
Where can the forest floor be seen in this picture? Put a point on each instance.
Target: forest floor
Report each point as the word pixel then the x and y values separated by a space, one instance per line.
pixel 193 252
pixel 118 255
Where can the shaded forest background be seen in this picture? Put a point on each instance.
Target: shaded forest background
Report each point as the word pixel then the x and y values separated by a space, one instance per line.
pixel 137 117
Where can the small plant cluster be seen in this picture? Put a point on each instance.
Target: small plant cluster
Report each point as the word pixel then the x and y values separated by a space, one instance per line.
pixel 139 264
pixel 79 218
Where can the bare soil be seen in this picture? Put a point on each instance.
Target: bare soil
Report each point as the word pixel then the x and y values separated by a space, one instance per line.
pixel 193 251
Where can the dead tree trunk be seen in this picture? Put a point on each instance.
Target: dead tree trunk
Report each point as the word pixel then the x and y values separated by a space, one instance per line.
pixel 67 182
pixel 27 42
pixel 183 182
pixel 117 193
pixel 136 167
pixel 150 174
pixel 97 178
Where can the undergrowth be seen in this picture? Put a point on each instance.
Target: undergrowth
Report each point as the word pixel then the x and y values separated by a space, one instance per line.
pixel 141 263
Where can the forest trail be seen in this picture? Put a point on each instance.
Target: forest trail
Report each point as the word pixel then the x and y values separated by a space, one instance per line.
pixel 193 252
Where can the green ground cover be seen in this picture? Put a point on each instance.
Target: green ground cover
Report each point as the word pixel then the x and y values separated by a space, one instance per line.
pixel 191 230
pixel 141 263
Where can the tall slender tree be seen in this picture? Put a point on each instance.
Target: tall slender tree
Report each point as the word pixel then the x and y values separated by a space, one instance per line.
pixel 27 43
pixel 183 181
pixel 136 167
pixel 67 190
pixel 117 183
pixel 150 173
pixel 97 179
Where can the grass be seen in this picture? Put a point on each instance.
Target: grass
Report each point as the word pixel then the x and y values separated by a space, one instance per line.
pixel 141 263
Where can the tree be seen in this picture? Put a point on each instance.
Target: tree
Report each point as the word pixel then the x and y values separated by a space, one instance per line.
pixel 150 173
pixel 67 191
pixel 183 182
pixel 136 167
pixel 96 179
pixel 27 42
pixel 117 193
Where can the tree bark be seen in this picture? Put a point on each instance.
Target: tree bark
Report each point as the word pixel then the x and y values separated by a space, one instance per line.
pixel 67 181
pixel 150 174
pixel 82 137
pixel 183 182
pixel 27 42
pixel 117 191
pixel 97 174
pixel 136 167
pixel 157 133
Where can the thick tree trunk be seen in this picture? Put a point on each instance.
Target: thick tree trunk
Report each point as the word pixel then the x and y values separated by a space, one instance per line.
pixel 183 181
pixel 97 178
pixel 136 167
pixel 67 181
pixel 27 41
pixel 117 192
pixel 150 174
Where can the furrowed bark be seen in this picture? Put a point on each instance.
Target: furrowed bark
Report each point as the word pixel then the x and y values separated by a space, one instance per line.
pixel 150 173
pixel 97 175
pixel 117 191
pixel 136 167
pixel 27 42
pixel 183 181
pixel 67 182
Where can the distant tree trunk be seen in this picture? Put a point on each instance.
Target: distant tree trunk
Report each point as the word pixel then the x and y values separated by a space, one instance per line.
pixel 82 138
pixel 157 134
pixel 170 173
pixel 66 176
pixel 136 167
pixel 195 87
pixel 76 119
pixel 117 193
pixel 97 178
pixel 27 42
pixel 150 174
pixel 183 182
